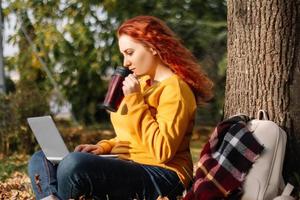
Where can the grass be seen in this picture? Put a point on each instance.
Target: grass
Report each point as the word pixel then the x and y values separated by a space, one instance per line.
pixel 199 139
pixel 196 147
pixel 11 164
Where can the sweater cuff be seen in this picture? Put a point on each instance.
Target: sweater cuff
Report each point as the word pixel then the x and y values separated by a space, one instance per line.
pixel 134 100
pixel 105 145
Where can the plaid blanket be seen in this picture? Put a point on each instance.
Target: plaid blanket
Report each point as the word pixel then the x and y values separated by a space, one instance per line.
pixel 225 161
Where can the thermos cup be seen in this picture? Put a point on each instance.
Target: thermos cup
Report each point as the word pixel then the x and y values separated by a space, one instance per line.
pixel 114 93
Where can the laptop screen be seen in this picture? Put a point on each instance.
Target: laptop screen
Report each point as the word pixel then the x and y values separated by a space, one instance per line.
pixel 48 137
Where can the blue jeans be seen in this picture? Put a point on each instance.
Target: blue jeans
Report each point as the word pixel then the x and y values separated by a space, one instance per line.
pixel 83 174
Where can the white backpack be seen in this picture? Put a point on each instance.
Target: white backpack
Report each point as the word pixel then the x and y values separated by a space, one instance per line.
pixel 264 181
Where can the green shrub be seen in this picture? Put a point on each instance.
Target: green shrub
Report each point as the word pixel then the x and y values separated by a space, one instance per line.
pixel 11 164
pixel 15 108
pixel 8 123
pixel 28 101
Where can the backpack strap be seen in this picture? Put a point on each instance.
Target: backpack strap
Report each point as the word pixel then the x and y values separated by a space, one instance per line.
pixel 262 115
pixel 288 189
pixel 286 194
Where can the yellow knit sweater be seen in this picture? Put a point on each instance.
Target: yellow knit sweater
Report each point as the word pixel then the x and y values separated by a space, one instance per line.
pixel 154 127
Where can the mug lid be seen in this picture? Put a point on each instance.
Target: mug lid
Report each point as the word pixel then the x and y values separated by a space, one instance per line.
pixel 124 71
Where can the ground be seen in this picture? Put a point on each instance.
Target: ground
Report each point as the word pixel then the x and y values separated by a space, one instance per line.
pixel 17 187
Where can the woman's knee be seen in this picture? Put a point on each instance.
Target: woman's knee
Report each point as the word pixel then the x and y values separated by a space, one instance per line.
pixel 69 177
pixel 71 164
pixel 36 159
pixel 37 156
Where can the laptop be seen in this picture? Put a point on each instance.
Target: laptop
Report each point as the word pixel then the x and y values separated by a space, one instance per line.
pixel 50 140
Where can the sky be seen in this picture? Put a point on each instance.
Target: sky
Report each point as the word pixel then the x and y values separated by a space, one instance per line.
pixel 9 49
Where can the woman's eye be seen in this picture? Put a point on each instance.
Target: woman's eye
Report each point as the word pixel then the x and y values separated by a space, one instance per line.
pixel 129 53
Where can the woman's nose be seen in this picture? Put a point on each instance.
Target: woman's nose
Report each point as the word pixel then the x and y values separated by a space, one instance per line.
pixel 126 63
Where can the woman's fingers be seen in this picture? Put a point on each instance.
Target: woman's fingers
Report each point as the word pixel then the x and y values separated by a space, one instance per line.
pixel 131 85
pixel 79 147
pixel 89 148
pixel 85 148
pixel 99 150
pixel 132 78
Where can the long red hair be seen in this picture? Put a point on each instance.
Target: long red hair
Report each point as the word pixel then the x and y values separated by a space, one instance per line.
pixel 154 33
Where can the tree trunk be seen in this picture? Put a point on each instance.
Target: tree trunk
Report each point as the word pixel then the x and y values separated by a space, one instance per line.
pixel 264 67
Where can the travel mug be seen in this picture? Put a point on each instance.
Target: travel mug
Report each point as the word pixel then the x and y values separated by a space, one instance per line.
pixel 114 93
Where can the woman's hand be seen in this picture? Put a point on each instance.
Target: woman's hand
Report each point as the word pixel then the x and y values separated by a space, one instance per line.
pixel 131 85
pixel 89 148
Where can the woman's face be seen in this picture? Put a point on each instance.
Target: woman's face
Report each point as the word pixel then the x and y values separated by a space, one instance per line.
pixel 138 58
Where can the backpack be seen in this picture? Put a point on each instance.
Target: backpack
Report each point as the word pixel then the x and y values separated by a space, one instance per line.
pixel 264 180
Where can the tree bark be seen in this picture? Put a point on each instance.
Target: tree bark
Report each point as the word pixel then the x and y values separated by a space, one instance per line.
pixel 264 66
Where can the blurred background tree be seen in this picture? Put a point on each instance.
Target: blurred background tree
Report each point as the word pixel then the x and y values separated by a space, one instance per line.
pixel 77 43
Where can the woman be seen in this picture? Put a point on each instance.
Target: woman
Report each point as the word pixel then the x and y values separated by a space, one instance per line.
pixel 153 125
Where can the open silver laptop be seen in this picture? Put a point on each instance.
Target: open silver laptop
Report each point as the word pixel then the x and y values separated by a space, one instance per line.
pixel 49 138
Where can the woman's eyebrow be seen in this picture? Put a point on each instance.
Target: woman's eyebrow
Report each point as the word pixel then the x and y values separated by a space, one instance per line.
pixel 129 49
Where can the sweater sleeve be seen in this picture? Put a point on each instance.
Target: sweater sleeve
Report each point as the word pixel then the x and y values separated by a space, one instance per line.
pixel 107 145
pixel 160 134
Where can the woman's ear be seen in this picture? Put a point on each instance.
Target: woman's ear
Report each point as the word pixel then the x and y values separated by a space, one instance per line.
pixel 153 51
